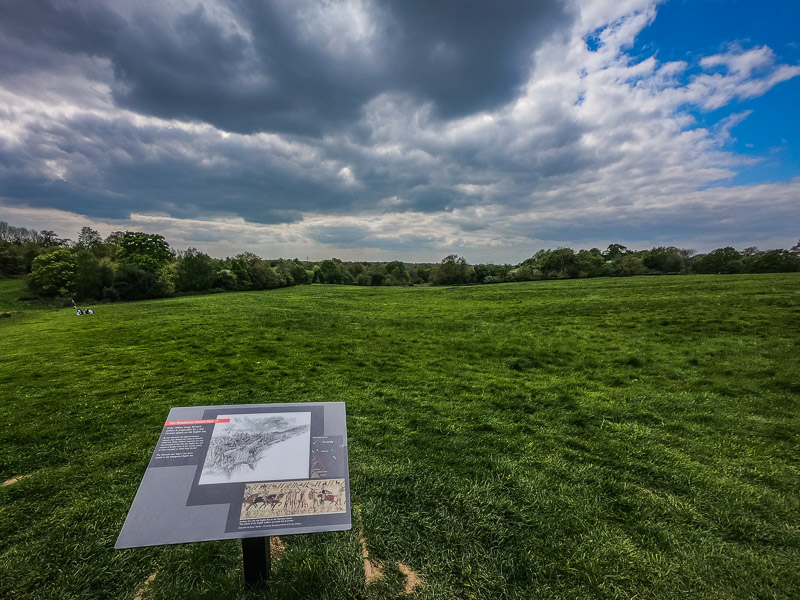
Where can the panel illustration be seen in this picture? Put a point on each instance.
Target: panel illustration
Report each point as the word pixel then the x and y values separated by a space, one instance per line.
pixel 258 447
pixel 294 498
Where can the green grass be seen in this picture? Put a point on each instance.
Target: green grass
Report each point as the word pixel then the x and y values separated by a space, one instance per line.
pixel 606 438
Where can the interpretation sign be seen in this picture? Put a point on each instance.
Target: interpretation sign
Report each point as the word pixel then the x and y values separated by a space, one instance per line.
pixel 253 470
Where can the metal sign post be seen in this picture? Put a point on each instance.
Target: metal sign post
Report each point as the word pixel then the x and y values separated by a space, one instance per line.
pixel 256 559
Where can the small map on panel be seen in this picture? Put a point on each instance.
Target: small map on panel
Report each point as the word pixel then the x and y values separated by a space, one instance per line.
pixel 327 457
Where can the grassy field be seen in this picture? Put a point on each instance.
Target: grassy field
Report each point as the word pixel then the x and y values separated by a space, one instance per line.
pixel 605 438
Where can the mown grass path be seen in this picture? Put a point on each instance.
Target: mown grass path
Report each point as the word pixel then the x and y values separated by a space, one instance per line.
pixel 607 438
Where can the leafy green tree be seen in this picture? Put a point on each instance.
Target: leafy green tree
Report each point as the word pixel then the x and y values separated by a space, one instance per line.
pixel 299 274
pixel 133 283
pixel 631 264
pixel 525 272
pixel 590 263
pixel 90 240
pixel 491 273
pixel 266 278
pixel 722 260
pixel 773 261
pixel 225 279
pixel 49 239
pixel 615 252
pixel 283 268
pixel 92 275
pixel 420 273
pixel 318 276
pixel 240 269
pixel 145 251
pixel 355 269
pixel 53 273
pixel 453 270
pixel 559 263
pixel 396 273
pixel 665 260
pixel 12 259
pixel 334 272
pixel 194 272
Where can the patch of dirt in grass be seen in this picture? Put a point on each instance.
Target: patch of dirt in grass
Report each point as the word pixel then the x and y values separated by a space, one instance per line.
pixel 372 570
pixel 140 594
pixel 14 480
pixel 412 579
pixel 276 548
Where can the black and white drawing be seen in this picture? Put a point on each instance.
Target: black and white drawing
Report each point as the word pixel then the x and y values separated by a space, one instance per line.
pixel 254 447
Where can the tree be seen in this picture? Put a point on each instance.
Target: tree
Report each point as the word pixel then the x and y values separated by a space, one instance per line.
pixel 12 259
pixel 665 260
pixel 89 238
pixel 491 273
pixel 420 273
pixel 773 261
pixel 453 270
pixel 194 272
pixel 239 267
pixel 721 260
pixel 49 239
pixel 299 274
pixel 334 272
pixel 590 263
pixel 631 264
pixel 53 273
pixel 145 251
pixel 559 263
pixel 92 275
pixel 615 252
pixel 225 279
pixel 396 273
pixel 133 283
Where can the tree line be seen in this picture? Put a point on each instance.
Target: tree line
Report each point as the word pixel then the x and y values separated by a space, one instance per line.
pixel 129 265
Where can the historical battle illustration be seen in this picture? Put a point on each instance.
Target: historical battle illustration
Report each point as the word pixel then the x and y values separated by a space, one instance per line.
pixel 294 498
pixel 251 447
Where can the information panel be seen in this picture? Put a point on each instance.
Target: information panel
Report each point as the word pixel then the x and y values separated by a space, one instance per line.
pixel 253 470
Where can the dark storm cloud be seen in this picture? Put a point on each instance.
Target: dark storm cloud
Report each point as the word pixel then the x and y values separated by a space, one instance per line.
pixel 116 168
pixel 84 27
pixel 467 56
pixel 280 66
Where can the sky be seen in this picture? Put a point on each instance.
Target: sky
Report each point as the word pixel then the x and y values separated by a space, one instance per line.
pixel 404 130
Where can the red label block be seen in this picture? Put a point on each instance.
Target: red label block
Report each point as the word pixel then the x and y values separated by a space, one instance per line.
pixel 196 422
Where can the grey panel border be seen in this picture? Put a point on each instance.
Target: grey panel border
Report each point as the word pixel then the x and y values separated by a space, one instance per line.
pixel 160 513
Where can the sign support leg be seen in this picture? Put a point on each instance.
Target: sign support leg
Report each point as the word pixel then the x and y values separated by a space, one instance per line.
pixel 256 560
